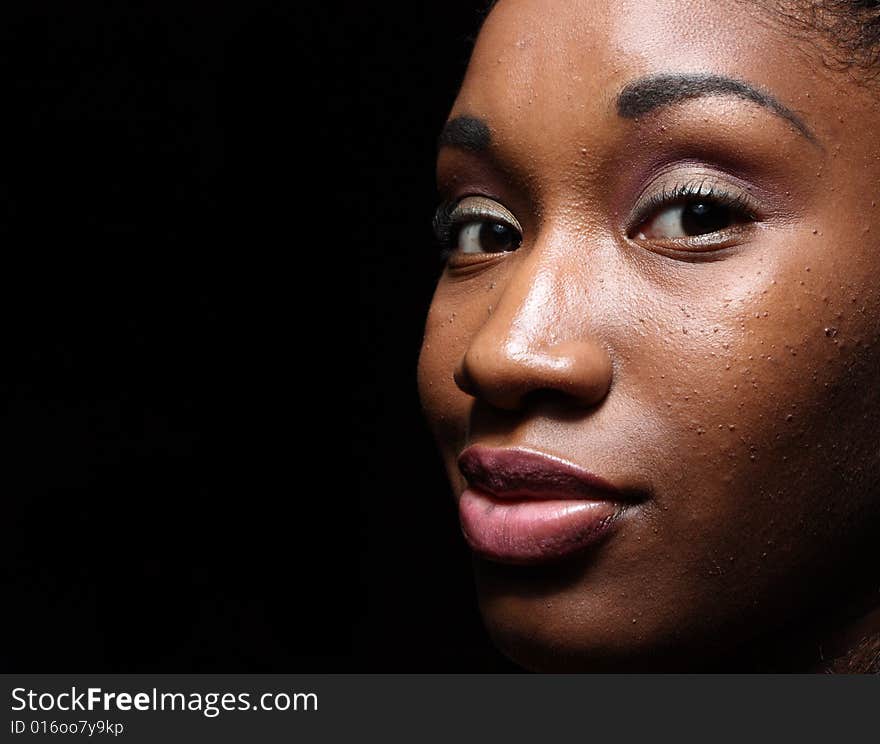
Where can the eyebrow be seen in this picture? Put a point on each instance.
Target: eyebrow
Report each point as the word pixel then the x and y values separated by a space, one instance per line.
pixel 655 91
pixel 466 132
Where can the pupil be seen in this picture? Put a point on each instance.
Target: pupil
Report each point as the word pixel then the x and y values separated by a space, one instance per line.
pixel 497 238
pixel 700 218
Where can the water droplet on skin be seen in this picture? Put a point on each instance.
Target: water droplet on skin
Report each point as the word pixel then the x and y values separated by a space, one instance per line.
pixel 789 417
pixel 731 427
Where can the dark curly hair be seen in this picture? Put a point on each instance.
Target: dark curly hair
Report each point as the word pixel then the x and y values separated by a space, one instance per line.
pixel 852 27
pixel 864 658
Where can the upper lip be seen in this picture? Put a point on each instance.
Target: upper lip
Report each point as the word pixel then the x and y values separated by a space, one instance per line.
pixel 526 474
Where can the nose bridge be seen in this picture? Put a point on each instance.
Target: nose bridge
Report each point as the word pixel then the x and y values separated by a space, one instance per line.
pixel 546 300
pixel 537 338
pixel 530 309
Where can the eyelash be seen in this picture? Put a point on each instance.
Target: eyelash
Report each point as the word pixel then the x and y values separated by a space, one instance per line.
pixel 443 225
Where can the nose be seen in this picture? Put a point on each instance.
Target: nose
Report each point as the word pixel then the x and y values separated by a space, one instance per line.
pixel 537 341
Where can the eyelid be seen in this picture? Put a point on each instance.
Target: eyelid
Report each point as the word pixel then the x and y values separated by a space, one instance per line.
pixel 473 208
pixel 711 187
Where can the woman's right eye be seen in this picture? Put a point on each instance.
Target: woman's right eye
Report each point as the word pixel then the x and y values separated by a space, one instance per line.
pixel 477 225
pixel 487 237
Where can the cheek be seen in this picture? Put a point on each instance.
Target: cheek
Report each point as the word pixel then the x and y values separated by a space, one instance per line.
pixel 770 407
pixel 446 407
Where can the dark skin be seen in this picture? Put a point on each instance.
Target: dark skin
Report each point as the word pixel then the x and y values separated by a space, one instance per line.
pixel 729 374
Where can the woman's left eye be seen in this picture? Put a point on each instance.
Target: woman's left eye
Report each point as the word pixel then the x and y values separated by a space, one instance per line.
pixel 692 212
pixel 689 220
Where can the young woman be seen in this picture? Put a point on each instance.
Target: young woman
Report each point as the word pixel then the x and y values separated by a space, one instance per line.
pixel 651 361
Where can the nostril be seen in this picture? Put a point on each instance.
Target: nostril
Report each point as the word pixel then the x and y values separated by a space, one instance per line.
pixel 463 379
pixel 492 378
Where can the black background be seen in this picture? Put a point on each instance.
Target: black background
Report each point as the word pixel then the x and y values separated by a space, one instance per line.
pixel 216 263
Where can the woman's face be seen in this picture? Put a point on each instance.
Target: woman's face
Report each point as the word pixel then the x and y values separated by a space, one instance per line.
pixel 665 228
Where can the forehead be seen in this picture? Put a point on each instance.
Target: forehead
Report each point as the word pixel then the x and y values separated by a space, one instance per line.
pixel 546 57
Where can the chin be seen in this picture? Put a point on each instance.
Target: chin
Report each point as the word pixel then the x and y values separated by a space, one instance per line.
pixel 577 650
pixel 561 627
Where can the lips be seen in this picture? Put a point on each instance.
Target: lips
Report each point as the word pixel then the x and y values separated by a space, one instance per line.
pixel 525 507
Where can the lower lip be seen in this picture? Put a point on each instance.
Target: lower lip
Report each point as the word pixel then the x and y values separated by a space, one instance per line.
pixel 524 532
